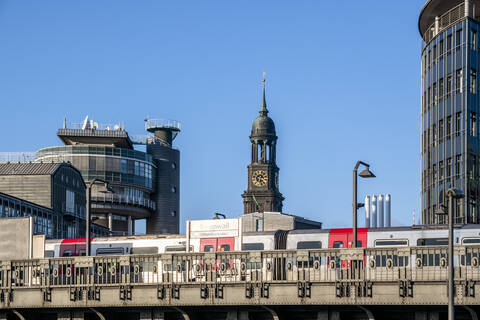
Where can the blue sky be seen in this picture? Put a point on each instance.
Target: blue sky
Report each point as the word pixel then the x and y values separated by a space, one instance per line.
pixel 343 84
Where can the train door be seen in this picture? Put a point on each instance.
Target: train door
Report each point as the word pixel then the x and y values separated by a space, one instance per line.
pixel 208 245
pixel 225 244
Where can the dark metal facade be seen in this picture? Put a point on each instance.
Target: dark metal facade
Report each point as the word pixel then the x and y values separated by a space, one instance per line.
pixel 166 218
pixel 449 108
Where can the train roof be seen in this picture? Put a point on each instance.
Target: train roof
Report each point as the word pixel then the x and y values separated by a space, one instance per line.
pixel 123 238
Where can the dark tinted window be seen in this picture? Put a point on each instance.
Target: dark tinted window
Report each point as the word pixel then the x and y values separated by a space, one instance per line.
pixel 67 253
pixel 252 246
pixel 144 250
pixel 381 243
pixel 338 244
pixel 176 249
pixel 49 253
pixel 466 241
pixel 225 247
pixel 432 242
pixel 109 251
pixel 309 245
pixel 208 248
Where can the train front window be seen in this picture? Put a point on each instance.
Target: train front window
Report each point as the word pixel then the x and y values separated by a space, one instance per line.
pixel 471 240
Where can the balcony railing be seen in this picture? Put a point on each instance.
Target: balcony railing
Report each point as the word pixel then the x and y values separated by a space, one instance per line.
pixel 446 20
pixel 122 200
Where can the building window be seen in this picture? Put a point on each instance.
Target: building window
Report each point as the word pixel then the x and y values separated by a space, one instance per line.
pixel 441 47
pixel 458 122
pixel 435 137
pixel 435 95
pixel 440 130
pixel 449 167
pixel 174 165
pixel 429 57
pixel 459 81
pixel 440 89
pixel 474 39
pixel 440 170
pixel 434 173
pixel 173 213
pixel 428 98
pixel 458 38
pixel 473 124
pixel 473 81
pixel 434 53
pixel 174 190
pixel 449 43
pixel 449 125
pixel 449 85
pixel 458 161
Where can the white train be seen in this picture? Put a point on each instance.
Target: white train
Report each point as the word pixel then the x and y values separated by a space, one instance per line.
pixel 279 240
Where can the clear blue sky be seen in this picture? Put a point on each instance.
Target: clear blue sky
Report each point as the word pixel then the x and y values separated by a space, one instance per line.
pixel 343 84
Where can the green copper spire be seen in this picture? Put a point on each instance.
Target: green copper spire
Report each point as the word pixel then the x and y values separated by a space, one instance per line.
pixel 263 109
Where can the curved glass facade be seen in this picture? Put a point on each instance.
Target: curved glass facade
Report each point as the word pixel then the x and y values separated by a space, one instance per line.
pixel 116 165
pixel 449 112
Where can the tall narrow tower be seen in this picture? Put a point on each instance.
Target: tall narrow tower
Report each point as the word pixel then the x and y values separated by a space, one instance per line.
pixel 450 107
pixel 166 217
pixel 263 193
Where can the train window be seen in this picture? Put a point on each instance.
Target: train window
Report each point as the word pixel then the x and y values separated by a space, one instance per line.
pixel 144 250
pixel 338 244
pixel 208 248
pixel 176 249
pixel 252 246
pixel 391 242
pixel 67 253
pixel 470 240
pixel 49 253
pixel 225 247
pixel 432 242
pixel 82 252
pixel 309 245
pixel 109 251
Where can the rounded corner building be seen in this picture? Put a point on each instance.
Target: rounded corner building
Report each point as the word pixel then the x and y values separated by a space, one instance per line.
pixel 145 184
pixel 450 107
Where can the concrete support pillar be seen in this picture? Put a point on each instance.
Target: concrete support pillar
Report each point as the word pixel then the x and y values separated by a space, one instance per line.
pixel 328 315
pixel 129 225
pixel 152 314
pixel 110 222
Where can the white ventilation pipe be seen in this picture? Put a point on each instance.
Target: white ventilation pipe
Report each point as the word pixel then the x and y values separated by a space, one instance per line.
pixel 367 212
pixel 374 212
pixel 380 211
pixel 388 211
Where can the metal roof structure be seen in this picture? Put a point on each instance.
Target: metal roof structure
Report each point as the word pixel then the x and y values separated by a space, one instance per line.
pixel 31 168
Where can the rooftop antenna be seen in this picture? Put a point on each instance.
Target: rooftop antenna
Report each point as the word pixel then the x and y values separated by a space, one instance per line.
pixel 413 217
pixel 85 123
pixel 65 122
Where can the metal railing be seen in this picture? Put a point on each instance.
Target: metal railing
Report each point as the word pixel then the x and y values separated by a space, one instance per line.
pixel 315 266
pixel 122 200
pixel 446 20
pixel 17 156
pixel 162 123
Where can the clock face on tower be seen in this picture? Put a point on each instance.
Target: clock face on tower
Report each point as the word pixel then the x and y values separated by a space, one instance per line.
pixel 260 178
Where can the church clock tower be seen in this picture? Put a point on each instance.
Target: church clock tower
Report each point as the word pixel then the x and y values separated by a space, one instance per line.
pixel 263 193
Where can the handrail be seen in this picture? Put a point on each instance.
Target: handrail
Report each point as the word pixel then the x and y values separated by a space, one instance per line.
pixel 427 264
pixel 452 16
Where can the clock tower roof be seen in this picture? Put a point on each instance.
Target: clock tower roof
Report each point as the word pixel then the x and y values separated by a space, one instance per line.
pixel 263 125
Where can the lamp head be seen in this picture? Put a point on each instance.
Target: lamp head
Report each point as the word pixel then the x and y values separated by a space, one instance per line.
pixel 366 173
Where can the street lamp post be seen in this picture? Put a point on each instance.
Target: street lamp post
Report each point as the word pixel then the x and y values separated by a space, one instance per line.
pixel 106 189
pixel 355 205
pixel 452 194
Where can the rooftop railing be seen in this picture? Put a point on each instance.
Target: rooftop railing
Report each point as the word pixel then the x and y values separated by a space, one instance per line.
pixel 17 156
pixel 162 123
pixel 446 20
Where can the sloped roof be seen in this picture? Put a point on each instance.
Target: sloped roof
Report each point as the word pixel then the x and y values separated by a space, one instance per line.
pixel 29 168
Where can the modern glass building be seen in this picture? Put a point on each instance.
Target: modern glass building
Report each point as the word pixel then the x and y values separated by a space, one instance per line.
pixel 450 107
pixel 145 184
